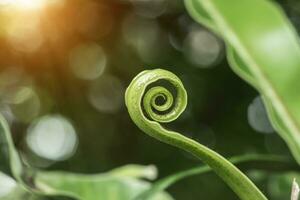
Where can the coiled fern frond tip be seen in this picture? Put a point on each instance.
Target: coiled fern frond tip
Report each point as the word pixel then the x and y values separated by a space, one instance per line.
pixel 158 96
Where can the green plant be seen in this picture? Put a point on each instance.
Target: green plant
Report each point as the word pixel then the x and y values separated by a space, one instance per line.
pixel 122 183
pixel 263 48
pixel 149 105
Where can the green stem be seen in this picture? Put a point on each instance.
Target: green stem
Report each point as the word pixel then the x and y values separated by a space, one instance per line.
pixel 166 182
pixel 142 105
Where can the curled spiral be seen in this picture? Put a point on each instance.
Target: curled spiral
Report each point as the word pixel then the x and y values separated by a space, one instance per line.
pixel 169 108
pixel 150 105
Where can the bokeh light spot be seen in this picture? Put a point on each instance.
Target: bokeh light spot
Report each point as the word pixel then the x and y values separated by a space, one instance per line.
pixel 150 8
pixel 106 94
pixel 87 61
pixel 18 96
pixel 258 118
pixel 52 137
pixel 202 48
pixel 147 38
pixel 25 104
pixel 7 185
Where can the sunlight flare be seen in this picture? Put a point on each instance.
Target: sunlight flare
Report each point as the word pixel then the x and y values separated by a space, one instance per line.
pixel 24 4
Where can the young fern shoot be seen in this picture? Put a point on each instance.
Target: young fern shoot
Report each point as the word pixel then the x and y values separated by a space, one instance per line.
pixel 142 100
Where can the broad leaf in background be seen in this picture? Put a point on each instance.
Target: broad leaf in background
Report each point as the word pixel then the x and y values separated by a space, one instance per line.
pixel 94 187
pixel 119 184
pixel 263 48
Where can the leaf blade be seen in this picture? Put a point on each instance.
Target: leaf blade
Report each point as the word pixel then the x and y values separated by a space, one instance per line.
pixel 267 43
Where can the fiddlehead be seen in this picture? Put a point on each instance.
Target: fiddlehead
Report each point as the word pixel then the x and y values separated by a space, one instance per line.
pixel 149 105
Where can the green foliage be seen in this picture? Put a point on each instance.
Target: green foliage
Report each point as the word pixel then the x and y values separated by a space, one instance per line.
pixel 123 183
pixel 91 187
pixel 142 100
pixel 263 48
pixel 102 186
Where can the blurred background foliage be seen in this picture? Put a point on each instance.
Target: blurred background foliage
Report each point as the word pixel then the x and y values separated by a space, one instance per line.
pixel 64 68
